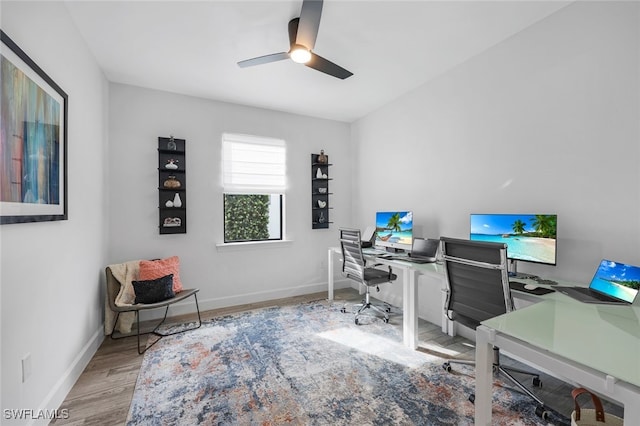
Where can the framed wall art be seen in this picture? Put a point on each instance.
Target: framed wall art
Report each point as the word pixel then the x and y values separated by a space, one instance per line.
pixel 33 140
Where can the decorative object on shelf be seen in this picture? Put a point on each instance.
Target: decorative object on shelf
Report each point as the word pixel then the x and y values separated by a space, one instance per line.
pixel 170 222
pixel 321 218
pixel 33 157
pixel 322 190
pixel 169 204
pixel 324 176
pixel 319 173
pixel 322 204
pixel 177 202
pixel 171 164
pixel 322 158
pixel 171 145
pixel 172 183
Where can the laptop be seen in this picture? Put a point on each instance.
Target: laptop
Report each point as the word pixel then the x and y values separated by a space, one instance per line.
pixel 614 283
pixel 423 250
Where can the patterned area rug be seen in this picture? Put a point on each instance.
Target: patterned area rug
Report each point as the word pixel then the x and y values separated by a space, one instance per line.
pixel 307 364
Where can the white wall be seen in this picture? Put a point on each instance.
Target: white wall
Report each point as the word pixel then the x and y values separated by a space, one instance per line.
pixel 139 116
pixel 51 271
pixel 546 121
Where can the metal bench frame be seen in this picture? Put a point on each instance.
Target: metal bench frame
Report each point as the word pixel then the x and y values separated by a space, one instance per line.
pixel 113 287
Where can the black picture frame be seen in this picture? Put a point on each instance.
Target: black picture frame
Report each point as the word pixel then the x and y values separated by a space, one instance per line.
pixel 33 154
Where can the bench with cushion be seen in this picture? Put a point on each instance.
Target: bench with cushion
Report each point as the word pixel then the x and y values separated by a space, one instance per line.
pixel 113 288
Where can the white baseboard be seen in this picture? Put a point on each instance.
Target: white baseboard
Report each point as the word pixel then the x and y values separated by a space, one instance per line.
pixel 187 306
pixel 59 392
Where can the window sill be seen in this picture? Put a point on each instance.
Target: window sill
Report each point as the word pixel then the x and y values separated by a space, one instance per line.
pixel 253 245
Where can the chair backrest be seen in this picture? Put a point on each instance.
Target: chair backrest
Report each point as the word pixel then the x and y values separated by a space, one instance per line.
pixel 477 280
pixel 353 260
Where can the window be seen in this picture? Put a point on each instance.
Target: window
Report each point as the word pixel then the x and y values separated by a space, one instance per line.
pixel 254 182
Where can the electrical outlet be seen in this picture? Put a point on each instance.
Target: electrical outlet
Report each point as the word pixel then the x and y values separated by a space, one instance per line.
pixel 26 367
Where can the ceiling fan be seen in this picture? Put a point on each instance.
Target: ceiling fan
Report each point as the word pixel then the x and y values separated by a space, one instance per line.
pixel 302 38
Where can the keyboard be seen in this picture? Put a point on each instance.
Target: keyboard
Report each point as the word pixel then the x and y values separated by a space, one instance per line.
pixel 595 294
pixel 384 256
pixel 544 281
pixel 375 252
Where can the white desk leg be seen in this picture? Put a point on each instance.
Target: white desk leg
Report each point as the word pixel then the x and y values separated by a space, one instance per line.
pixel 484 376
pixel 330 275
pixel 410 308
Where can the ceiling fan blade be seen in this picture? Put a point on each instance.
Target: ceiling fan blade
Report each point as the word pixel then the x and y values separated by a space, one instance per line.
pixel 309 23
pixel 327 67
pixel 293 31
pixel 263 59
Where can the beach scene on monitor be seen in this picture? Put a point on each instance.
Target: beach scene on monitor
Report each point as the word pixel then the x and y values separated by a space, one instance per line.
pixel 528 237
pixel 394 227
pixel 617 279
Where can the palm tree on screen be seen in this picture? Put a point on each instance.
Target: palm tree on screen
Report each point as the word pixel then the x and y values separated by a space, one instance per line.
pixel 518 226
pixel 545 225
pixel 394 222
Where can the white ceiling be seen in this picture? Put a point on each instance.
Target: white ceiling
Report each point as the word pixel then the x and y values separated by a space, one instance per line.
pixel 392 47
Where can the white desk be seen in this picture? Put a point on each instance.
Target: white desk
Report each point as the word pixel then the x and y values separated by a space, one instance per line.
pixel 410 275
pixel 597 346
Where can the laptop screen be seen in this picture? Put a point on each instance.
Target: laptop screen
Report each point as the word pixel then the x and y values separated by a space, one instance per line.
pixel 424 248
pixel 617 280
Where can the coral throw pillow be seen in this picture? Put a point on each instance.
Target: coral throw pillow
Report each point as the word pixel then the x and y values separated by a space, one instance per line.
pixel 153 269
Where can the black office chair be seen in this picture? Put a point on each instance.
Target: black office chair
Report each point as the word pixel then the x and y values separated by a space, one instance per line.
pixel 354 267
pixel 478 289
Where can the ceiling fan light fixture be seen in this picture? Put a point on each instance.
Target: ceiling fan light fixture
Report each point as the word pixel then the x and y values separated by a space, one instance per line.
pixel 302 44
pixel 300 54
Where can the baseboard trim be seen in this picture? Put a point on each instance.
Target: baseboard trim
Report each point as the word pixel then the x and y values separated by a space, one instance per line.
pixel 188 306
pixel 61 389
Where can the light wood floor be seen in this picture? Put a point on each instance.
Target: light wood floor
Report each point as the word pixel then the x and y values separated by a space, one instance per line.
pixel 102 395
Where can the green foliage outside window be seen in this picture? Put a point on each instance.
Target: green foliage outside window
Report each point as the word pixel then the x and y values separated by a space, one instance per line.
pixel 246 217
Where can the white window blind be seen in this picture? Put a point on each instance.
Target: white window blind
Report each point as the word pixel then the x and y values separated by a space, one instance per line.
pixel 253 165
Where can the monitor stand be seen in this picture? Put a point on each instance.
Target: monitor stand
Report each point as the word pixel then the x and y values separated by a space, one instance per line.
pixel 513 271
pixel 394 250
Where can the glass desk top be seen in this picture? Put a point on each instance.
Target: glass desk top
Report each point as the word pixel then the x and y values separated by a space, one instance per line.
pixel 397 260
pixel 603 337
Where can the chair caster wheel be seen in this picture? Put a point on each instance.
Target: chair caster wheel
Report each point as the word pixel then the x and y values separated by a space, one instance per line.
pixel 472 398
pixel 536 382
pixel 447 367
pixel 356 321
pixel 542 413
pixel 343 310
pixel 388 310
pixel 386 320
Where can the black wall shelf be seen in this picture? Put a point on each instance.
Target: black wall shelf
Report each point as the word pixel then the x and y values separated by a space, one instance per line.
pixel 320 203
pixel 172 181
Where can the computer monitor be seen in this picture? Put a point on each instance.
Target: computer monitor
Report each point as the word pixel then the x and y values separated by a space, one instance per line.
pixel 394 230
pixel 529 237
